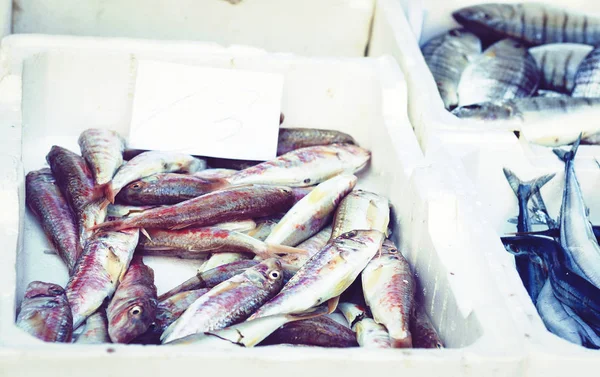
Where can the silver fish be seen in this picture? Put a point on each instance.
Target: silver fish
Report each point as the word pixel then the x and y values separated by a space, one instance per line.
pixel 327 274
pixel 447 56
pixel 587 78
pixel 103 150
pixel 576 233
pixel 531 22
pixel 504 71
pixel 558 63
pixel 369 334
pixel 550 121
pixel 361 210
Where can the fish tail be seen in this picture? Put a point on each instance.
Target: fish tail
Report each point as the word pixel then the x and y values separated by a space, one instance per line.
pixel 273 249
pixel 526 188
pixel 567 156
pixel 310 313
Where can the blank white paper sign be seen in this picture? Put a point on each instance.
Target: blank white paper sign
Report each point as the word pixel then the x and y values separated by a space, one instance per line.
pixel 206 111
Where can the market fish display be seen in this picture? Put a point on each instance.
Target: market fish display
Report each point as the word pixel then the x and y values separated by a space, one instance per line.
pixel 133 306
pixel 291 139
pixel 306 166
pixel 587 78
pixel 548 121
pixel 167 188
pixel 45 313
pixel 313 212
pixel 103 150
pixel 149 163
pixel 447 56
pixel 281 296
pixel 559 63
pixel 102 265
pixel 46 201
pixel 238 203
pixel 504 71
pixel 326 274
pixel 229 302
pixel 389 290
pixel 533 23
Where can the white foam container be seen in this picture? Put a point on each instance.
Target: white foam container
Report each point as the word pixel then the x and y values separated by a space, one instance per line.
pixel 307 27
pixel 67 84
pixel 475 159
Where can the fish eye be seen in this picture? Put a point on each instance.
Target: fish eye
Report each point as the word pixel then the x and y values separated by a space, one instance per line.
pixel 455 33
pixel 136 310
pixel 307 180
pixel 350 234
pixel 393 250
pixel 136 186
pixel 55 290
pixel 474 106
pixel 274 275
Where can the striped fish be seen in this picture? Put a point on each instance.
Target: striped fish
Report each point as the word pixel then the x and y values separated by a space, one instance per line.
pixel 504 71
pixel 587 78
pixel 447 56
pixel 558 63
pixel 532 23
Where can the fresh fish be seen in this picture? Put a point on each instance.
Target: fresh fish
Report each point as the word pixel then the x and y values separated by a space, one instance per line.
pixel 211 278
pixel 361 210
pixel 238 203
pixel 558 63
pixel 532 274
pixel 369 334
pixel 220 259
pixel 103 150
pixel 531 22
pixel 149 163
pixel 563 323
pixel 504 71
pixel 291 139
pixel 167 188
pixel 196 243
pixel 326 274
pixel 447 56
pixel 45 313
pixel 229 302
pixel 167 312
pixel 214 174
pixel 76 182
pixel 576 234
pixel 550 93
pixel 133 306
pixel 58 221
pixel 306 166
pixel 98 271
pixel 95 330
pixel 264 226
pixel 587 78
pixel 549 121
pixel 321 331
pixel 293 262
pixel 389 289
pixel 422 330
pixel 246 334
pixel 301 192
pixel 313 212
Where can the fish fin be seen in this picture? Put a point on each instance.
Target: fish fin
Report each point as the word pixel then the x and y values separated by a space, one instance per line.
pixel 513 220
pixel 109 192
pixel 310 313
pixel 111 225
pixel 104 204
pixel 332 304
pixel 114 266
pixel 526 188
pixel 179 226
pixel 282 249
pixel 568 155
pixel 145 233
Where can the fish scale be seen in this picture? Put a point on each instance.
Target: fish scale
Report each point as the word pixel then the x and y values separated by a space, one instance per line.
pixel 587 78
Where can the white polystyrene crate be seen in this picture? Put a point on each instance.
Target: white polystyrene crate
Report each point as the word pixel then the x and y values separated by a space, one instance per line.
pixel 69 84
pixel 307 27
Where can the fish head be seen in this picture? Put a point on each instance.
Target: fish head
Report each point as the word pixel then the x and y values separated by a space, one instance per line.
pixel 465 38
pixel 388 248
pixel 41 289
pixel 136 189
pixel 485 111
pixel 354 155
pixel 131 318
pixel 268 274
pixel 480 19
pixel 507 47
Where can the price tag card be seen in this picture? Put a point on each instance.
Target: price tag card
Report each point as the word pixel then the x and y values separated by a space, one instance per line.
pixel 206 111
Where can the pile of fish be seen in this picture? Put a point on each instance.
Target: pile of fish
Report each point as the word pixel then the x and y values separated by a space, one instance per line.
pixel 560 266
pixel 532 67
pixel 282 240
